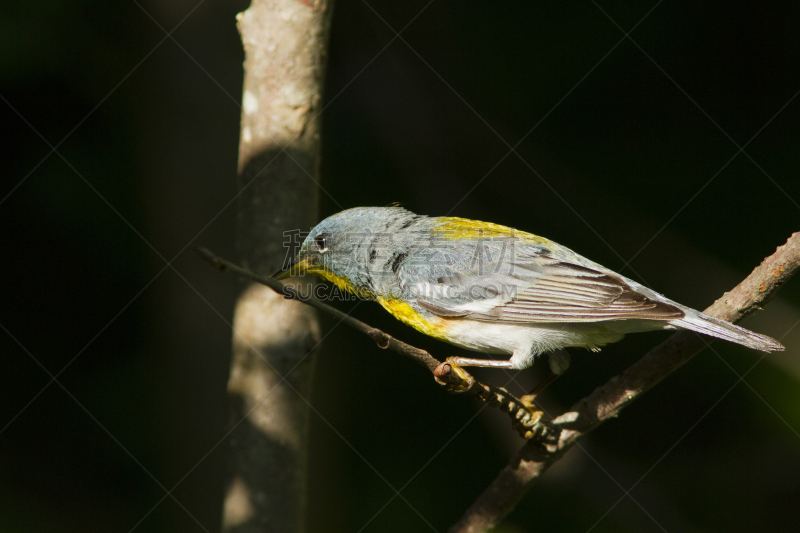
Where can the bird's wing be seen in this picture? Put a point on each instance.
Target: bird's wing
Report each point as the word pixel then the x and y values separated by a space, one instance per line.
pixel 528 286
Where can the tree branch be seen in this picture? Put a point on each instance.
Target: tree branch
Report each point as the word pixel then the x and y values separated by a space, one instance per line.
pixel 533 460
pixel 285 43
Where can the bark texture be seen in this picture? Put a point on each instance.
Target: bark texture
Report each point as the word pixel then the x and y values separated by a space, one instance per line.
pixel 285 45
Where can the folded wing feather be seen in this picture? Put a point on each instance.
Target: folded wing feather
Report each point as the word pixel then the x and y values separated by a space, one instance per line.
pixel 533 289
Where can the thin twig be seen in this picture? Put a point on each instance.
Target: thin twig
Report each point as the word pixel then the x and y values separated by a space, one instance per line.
pixel 511 484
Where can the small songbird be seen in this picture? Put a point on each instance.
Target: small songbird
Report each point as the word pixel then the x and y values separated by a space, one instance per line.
pixel 492 289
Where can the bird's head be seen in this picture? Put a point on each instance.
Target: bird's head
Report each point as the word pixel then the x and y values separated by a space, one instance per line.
pixel 342 247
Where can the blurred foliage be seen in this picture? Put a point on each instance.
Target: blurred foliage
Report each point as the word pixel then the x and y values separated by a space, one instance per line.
pixel 625 150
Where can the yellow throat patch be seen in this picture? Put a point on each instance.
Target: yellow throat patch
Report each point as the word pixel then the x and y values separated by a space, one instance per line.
pixel 343 283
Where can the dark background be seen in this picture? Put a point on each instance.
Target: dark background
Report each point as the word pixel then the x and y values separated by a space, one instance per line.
pixel 626 151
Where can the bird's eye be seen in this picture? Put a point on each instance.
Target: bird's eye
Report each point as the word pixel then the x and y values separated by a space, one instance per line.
pixel 321 241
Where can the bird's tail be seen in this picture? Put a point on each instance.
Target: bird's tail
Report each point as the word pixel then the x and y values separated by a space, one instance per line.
pixel 720 329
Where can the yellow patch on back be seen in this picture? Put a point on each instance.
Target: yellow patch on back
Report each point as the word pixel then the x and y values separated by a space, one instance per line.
pixel 455 228
pixel 407 315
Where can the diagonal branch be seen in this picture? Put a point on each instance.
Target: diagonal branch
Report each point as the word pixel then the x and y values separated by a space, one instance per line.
pixel 533 460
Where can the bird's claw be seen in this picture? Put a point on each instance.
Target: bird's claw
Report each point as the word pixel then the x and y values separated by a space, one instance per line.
pixel 453 377
pixel 527 401
pixel 529 423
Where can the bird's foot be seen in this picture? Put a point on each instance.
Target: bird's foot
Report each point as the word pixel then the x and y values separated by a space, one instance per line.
pixel 528 402
pixel 543 432
pixel 453 377
pixel 528 420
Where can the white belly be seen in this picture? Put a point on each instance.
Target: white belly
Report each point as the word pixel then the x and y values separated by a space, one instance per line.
pixel 526 341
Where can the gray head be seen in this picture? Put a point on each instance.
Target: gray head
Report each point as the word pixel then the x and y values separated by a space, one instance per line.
pixel 341 247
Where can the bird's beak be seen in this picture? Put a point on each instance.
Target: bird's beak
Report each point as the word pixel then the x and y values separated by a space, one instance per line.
pixel 297 267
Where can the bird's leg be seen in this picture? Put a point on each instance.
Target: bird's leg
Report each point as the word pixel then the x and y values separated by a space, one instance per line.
pixel 469 361
pixel 458 379
pixel 559 363
pixel 456 363
pixel 531 396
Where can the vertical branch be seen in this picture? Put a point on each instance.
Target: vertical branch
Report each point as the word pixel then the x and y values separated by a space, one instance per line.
pixel 285 45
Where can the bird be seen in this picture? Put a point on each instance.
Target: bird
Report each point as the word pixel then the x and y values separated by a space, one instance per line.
pixel 493 289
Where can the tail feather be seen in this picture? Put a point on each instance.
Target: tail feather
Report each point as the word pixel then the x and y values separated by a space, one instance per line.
pixel 720 329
